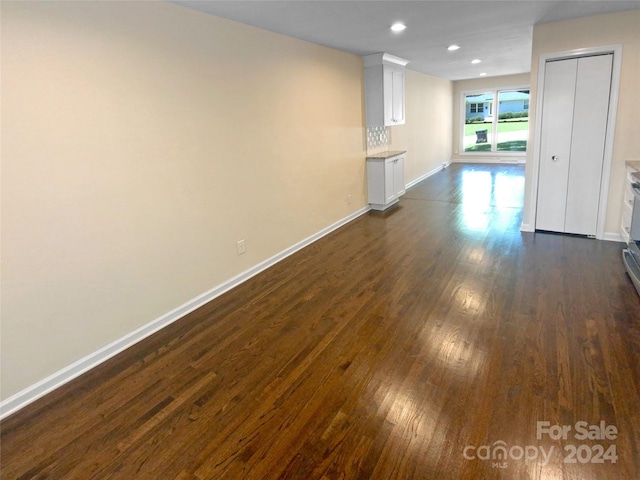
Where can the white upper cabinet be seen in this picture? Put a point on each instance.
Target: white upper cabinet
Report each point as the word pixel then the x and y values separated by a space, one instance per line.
pixel 384 89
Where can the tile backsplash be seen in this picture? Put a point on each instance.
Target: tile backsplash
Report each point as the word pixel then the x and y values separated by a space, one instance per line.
pixel 377 137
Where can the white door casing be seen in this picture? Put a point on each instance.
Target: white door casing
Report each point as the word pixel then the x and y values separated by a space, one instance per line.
pixel 529 221
pixel 574 123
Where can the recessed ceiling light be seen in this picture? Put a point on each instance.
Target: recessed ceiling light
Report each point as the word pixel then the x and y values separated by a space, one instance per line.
pixel 398 27
pixel 453 47
pixel 483 74
pixel 476 60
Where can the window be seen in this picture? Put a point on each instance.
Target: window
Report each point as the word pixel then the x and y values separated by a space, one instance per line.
pixel 510 125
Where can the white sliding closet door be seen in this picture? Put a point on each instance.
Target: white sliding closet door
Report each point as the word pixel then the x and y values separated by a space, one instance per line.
pixel 557 123
pixel 575 109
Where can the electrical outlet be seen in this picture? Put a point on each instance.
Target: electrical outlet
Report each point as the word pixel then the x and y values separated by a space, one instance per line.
pixel 348 199
pixel 242 248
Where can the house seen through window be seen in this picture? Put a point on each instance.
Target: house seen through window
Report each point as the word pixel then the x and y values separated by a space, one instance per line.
pixel 506 131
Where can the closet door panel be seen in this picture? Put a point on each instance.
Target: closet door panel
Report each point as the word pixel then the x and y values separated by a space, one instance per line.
pixel 593 84
pixel 555 151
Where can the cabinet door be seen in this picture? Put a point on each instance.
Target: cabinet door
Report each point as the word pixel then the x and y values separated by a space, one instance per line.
pixel 393 97
pixel 387 96
pixel 390 193
pixel 398 176
pixel 397 86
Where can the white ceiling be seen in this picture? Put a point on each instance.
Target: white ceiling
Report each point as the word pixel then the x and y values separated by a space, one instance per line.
pixel 497 32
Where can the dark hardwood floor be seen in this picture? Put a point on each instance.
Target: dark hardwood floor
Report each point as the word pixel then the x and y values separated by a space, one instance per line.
pixel 410 344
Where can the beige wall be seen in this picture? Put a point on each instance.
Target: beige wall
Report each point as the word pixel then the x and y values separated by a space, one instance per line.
pixel 140 141
pixel 484 83
pixel 426 135
pixel 619 28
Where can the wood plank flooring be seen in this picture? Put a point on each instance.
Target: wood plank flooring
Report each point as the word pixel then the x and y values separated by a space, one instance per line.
pixel 409 344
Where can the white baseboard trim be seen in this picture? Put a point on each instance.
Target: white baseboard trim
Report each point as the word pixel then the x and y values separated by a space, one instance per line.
pixel 525 227
pixel 77 368
pixel 613 237
pixel 509 160
pixel 427 175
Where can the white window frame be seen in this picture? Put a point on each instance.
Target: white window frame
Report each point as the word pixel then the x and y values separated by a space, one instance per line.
pixel 463 111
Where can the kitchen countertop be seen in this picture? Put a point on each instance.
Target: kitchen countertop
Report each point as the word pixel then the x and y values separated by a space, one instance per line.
pixel 635 165
pixel 387 154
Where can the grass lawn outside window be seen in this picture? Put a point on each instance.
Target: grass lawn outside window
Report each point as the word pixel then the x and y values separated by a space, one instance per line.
pixel 512 136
